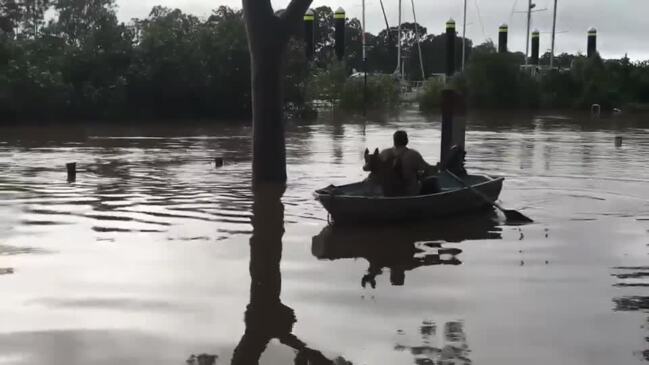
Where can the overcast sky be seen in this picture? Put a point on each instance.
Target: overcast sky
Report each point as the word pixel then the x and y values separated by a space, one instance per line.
pixel 622 24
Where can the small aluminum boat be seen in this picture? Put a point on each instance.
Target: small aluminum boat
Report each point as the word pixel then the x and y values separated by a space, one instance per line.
pixel 357 203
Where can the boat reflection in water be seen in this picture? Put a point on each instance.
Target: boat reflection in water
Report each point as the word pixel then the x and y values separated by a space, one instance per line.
pixel 266 317
pixel 404 247
pixel 444 345
pixel 635 278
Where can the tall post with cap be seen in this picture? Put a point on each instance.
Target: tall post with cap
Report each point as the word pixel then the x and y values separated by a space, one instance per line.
pixel 592 42
pixel 309 34
pixel 503 33
pixel 450 48
pixel 339 20
pixel 536 38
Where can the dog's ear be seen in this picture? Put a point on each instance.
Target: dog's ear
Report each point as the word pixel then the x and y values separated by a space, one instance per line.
pixel 367 152
pixel 376 151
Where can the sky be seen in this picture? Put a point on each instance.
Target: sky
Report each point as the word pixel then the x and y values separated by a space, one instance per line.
pixel 622 24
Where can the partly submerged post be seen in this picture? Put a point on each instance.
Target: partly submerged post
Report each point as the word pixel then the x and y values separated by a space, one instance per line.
pixel 592 42
pixel 448 108
pixel 503 33
pixel 309 34
pixel 536 37
pixel 339 20
pixel 72 171
pixel 450 48
pixel 595 110
pixel 459 121
pixel 618 141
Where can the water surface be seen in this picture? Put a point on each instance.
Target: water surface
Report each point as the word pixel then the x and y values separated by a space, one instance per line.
pixel 148 257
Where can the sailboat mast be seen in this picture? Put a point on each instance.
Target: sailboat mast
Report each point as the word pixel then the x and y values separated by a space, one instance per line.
pixel 464 38
pixel 399 44
pixel 364 63
pixel 421 60
pixel 554 33
pixel 529 21
pixel 363 37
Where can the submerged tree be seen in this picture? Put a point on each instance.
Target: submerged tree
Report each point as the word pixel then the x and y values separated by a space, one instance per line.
pixel 268 36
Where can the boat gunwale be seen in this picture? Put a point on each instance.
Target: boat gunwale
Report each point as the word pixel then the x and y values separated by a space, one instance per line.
pixel 319 195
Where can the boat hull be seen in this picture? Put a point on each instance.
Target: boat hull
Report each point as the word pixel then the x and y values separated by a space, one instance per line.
pixel 349 205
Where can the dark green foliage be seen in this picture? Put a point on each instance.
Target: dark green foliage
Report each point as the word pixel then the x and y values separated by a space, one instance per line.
pixel 382 93
pixel 184 67
pixel 86 64
pixel 327 83
pixel 558 90
pixel 431 96
pixel 494 80
pixel 499 81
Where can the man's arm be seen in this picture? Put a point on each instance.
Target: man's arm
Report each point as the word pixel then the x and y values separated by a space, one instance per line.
pixel 425 166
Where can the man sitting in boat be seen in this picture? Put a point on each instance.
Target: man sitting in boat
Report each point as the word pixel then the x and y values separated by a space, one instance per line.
pixel 410 166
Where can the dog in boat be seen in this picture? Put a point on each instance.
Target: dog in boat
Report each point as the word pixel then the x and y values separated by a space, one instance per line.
pixel 385 177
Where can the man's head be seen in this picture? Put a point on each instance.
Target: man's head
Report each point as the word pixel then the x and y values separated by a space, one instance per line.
pixel 400 139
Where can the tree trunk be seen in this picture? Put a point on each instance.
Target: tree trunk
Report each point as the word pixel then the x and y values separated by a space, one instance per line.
pixel 269 151
pixel 268 36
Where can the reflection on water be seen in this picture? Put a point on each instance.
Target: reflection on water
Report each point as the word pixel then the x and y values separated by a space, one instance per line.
pixel 636 278
pixel 266 317
pixel 447 347
pixel 405 247
pixel 148 257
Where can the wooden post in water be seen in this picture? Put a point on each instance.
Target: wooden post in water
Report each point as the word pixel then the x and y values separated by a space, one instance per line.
pixel 618 141
pixel 448 106
pixel 595 110
pixel 72 171
pixel 459 120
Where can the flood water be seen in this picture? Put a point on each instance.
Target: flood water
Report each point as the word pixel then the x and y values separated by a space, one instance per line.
pixel 148 257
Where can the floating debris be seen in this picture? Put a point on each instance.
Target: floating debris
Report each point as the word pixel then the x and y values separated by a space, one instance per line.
pixel 203 359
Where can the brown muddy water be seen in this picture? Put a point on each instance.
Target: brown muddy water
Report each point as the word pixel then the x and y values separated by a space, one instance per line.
pixel 147 258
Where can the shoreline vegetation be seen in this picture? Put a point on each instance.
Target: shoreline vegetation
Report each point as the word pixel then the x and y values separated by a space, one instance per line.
pixel 83 64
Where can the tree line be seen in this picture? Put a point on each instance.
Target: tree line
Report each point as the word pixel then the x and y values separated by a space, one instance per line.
pixel 81 62
pixel 494 80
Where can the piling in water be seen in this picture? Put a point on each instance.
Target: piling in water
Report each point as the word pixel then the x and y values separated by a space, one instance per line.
pixel 503 33
pixel 536 37
pixel 592 42
pixel 459 121
pixel 72 171
pixel 450 48
pixel 448 106
pixel 218 162
pixel 309 34
pixel 595 110
pixel 339 20
pixel 618 141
